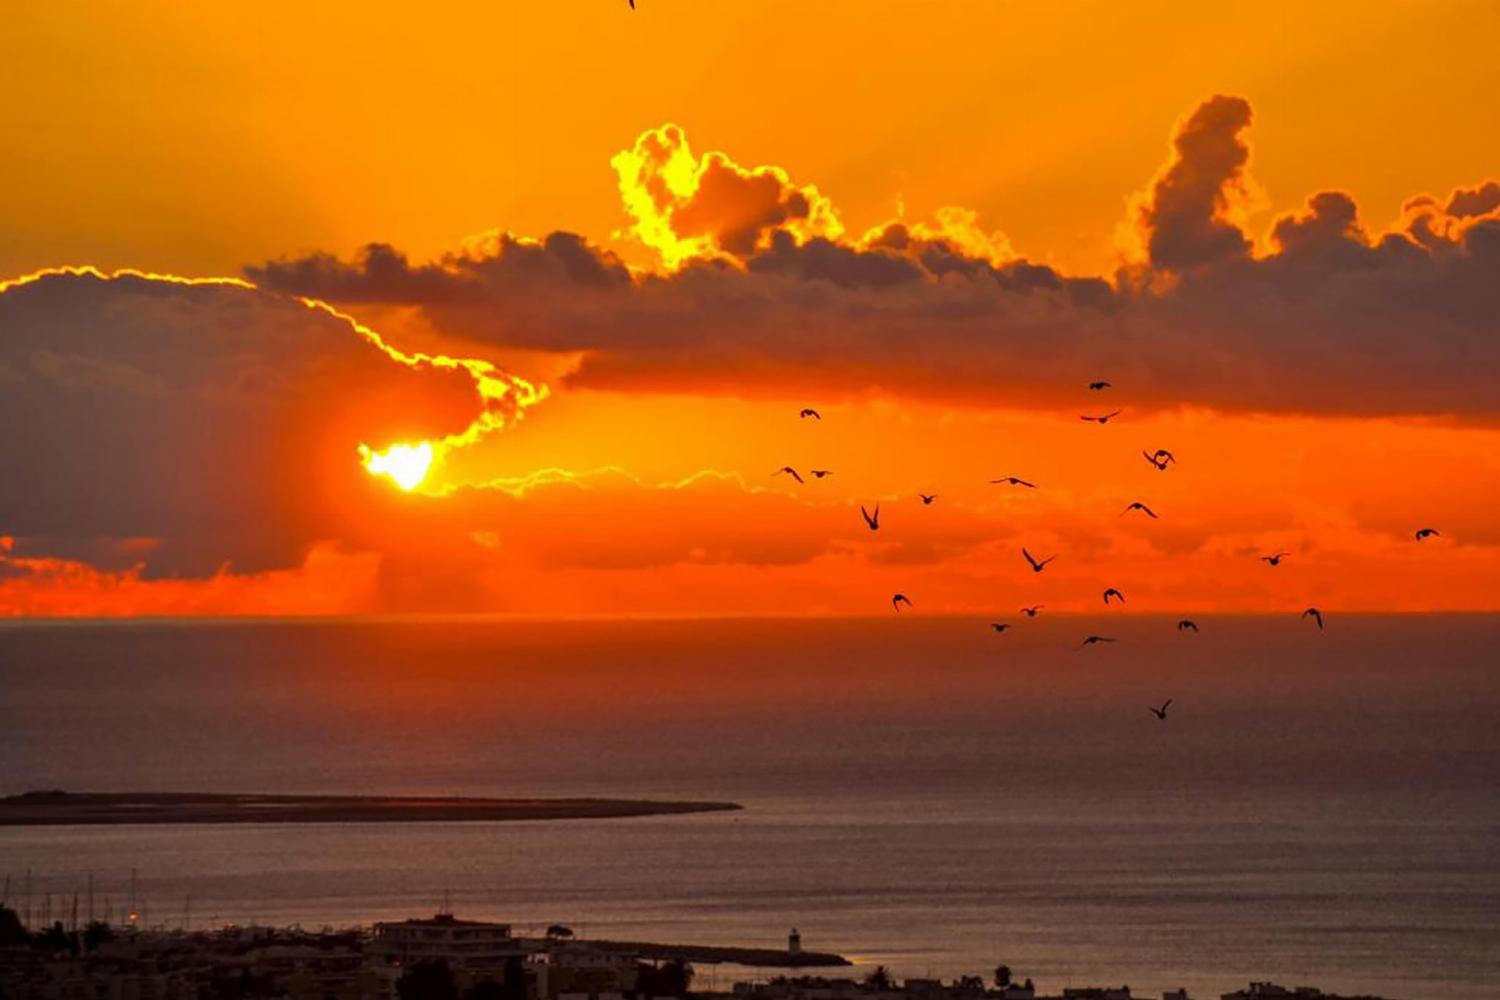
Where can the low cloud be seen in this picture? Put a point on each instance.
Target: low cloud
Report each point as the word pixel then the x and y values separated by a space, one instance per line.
pixel 185 427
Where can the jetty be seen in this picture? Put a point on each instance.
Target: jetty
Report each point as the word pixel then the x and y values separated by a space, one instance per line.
pixel 708 954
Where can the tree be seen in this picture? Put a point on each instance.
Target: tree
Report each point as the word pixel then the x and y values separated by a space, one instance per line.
pixel 95 933
pixel 427 981
pixel 1002 976
pixel 54 938
pixel 559 931
pixel 671 979
pixel 880 979
pixel 12 931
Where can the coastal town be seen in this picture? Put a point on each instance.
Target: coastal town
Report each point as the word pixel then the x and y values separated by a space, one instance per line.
pixel 443 957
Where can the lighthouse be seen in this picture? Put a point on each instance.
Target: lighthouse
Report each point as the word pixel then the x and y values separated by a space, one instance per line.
pixel 794 942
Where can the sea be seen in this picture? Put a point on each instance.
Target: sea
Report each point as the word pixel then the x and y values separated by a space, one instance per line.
pixel 1318 807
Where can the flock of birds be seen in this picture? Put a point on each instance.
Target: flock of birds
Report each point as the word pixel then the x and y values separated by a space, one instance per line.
pixel 1160 459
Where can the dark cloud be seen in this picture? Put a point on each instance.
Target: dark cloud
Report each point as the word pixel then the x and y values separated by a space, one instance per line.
pixel 492 269
pixel 182 427
pixel 1185 218
pixel 1470 202
pixel 1332 321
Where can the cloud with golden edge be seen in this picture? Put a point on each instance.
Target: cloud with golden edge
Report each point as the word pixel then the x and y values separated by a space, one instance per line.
pixel 213 424
pixel 762 295
pixel 688 207
pixel 505 398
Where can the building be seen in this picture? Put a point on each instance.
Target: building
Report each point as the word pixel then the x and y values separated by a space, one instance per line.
pixel 1271 991
pixel 466 945
pixel 581 972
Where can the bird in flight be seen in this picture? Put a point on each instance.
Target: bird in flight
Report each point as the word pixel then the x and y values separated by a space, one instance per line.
pixel 872 521
pixel 1274 558
pixel 1030 612
pixel 1160 713
pixel 810 412
pixel 789 471
pixel 1315 615
pixel 820 473
pixel 1013 481
pixel 1037 567
pixel 1112 592
pixel 1101 384
pixel 899 599
pixel 1187 625
pixel 1160 458
pixel 1094 640
pixel 1105 418
pixel 1427 533
pixel 999 626
pixel 1140 507
pixel 927 498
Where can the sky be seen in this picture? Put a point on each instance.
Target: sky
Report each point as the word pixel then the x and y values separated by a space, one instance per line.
pixel 374 309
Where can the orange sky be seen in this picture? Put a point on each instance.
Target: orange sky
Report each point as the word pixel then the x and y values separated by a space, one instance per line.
pixel 1321 369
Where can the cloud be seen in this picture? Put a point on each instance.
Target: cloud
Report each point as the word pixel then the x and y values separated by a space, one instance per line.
pixel 489 268
pixel 170 432
pixel 760 293
pixel 1189 217
pixel 184 426
pixel 327 582
pixel 684 206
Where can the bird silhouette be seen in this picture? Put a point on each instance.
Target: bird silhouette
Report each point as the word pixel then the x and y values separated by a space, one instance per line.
pixel 789 471
pixel 1105 418
pixel 1274 558
pixel 810 412
pixel 1187 625
pixel 927 498
pixel 632 4
pixel 1115 593
pixel 1013 481
pixel 1140 507
pixel 820 473
pixel 1315 615
pixel 1036 567
pixel 1161 713
pixel 999 626
pixel 1160 458
pixel 1101 384
pixel 872 521
pixel 1094 640
pixel 1427 533
pixel 899 599
pixel 1030 612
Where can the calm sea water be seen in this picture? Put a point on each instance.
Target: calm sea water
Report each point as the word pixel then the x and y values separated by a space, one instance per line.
pixel 1318 807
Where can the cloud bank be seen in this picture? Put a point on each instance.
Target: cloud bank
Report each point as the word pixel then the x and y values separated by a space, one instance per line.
pixel 183 426
pixel 158 432
pixel 760 292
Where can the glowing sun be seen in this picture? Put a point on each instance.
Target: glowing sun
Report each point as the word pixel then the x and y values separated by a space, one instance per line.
pixel 406 465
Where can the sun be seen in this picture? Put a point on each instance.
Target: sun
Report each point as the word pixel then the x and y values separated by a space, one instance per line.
pixel 406 465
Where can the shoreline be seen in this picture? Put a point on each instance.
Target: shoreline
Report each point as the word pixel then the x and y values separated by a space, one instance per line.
pixel 135 808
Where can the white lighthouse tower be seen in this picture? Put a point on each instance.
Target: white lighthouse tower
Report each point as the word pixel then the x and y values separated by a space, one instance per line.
pixel 794 942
